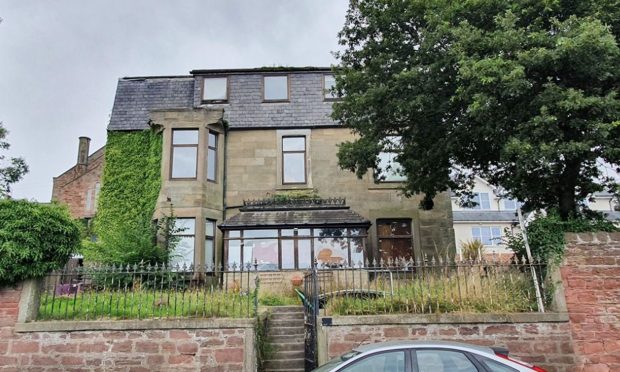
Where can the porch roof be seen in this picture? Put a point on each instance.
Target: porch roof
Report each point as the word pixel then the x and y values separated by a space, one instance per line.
pixel 295 218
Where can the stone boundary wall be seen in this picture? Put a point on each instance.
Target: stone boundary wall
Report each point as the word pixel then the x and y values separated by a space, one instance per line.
pixel 137 345
pixel 543 339
pixel 591 276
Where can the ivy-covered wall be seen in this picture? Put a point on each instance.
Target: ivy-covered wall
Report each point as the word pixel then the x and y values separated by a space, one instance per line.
pixel 130 186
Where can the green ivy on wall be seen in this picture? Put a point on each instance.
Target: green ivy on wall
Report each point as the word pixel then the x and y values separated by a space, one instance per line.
pixel 130 186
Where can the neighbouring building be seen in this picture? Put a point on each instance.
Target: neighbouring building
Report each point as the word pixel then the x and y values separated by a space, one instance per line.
pixel 485 220
pixel 491 215
pixel 241 146
pixel 78 187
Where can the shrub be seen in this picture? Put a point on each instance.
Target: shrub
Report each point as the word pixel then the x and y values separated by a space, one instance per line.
pixel 546 235
pixel 472 249
pixel 34 239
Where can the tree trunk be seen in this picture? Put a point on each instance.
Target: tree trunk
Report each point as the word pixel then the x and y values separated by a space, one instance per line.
pixel 567 202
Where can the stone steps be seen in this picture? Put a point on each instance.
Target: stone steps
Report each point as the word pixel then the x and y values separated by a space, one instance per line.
pixel 285 331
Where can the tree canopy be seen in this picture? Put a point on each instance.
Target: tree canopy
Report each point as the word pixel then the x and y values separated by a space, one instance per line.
pixel 11 170
pixel 523 93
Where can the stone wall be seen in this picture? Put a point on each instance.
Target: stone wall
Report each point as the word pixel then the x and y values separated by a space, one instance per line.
pixel 542 339
pixel 155 345
pixel 253 170
pixel 591 276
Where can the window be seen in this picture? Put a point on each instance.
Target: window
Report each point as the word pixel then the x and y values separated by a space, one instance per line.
pixel 393 361
pixel 97 190
pixel 215 89
pixel 494 366
pixel 185 232
pixel 444 360
pixel 481 201
pixel 289 248
pixel 389 170
pixel 294 159
pixel 92 195
pixel 510 204
pixel 184 153
pixel 212 157
pixel 275 88
pixel 488 235
pixel 209 244
pixel 329 82
pixel 395 239
pixel 89 198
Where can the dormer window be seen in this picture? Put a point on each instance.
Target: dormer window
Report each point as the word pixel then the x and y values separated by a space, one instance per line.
pixel 215 89
pixel 329 82
pixel 275 88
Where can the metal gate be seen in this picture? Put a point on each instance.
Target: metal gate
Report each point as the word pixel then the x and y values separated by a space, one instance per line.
pixel 311 312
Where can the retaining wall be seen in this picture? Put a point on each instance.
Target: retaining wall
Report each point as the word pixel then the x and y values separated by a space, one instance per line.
pixel 591 276
pixel 543 339
pixel 121 345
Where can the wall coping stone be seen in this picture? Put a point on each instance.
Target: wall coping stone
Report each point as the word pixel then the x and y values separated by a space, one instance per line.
pixel 132 325
pixel 447 318
pixel 591 238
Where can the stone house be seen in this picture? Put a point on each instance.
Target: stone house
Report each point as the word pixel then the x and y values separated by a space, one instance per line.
pixel 241 145
pixel 78 187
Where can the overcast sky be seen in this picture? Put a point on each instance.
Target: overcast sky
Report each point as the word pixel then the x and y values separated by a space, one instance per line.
pixel 60 61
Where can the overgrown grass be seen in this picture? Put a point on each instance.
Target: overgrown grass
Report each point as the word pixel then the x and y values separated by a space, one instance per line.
pixel 278 299
pixel 507 294
pixel 142 304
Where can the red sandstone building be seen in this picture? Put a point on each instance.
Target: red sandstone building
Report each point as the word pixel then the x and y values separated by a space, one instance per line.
pixel 78 187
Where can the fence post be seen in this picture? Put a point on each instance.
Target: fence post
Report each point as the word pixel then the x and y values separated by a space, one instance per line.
pixel 29 300
pixel 256 287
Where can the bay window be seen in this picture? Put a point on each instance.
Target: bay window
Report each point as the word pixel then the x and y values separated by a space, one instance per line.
pixel 185 234
pixel 184 162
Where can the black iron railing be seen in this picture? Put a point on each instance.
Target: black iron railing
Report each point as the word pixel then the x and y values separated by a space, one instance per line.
pixel 149 291
pixel 429 287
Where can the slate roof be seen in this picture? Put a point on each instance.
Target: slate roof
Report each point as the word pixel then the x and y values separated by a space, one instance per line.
pixel 136 96
pixel 490 216
pixel 295 218
pixel 306 106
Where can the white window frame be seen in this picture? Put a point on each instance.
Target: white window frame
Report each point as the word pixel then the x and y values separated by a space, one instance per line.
pixel 389 170
pixel 487 235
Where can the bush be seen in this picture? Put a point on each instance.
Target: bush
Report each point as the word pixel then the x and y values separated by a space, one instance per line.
pixel 34 239
pixel 546 235
pixel 472 249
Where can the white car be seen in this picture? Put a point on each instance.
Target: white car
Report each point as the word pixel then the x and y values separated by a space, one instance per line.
pixel 426 356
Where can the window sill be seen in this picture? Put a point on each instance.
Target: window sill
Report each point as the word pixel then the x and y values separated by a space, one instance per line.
pixel 386 185
pixel 293 186
pixel 276 101
pixel 214 102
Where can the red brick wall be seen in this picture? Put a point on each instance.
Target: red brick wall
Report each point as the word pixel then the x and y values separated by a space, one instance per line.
pixel 591 276
pixel 71 187
pixel 546 344
pixel 149 350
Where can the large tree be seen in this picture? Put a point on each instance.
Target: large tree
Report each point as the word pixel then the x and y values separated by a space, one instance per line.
pixel 521 92
pixel 12 169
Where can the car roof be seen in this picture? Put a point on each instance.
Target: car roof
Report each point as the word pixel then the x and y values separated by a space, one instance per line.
pixel 425 344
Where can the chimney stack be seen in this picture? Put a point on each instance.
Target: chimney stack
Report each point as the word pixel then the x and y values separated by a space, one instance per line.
pixel 83 151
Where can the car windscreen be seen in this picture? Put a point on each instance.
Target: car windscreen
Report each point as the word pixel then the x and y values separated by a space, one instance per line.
pixel 336 361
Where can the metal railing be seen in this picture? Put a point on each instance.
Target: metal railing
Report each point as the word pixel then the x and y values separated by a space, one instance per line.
pixel 429 287
pixel 149 291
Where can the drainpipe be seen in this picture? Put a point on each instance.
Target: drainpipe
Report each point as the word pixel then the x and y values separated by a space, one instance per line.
pixel 224 182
